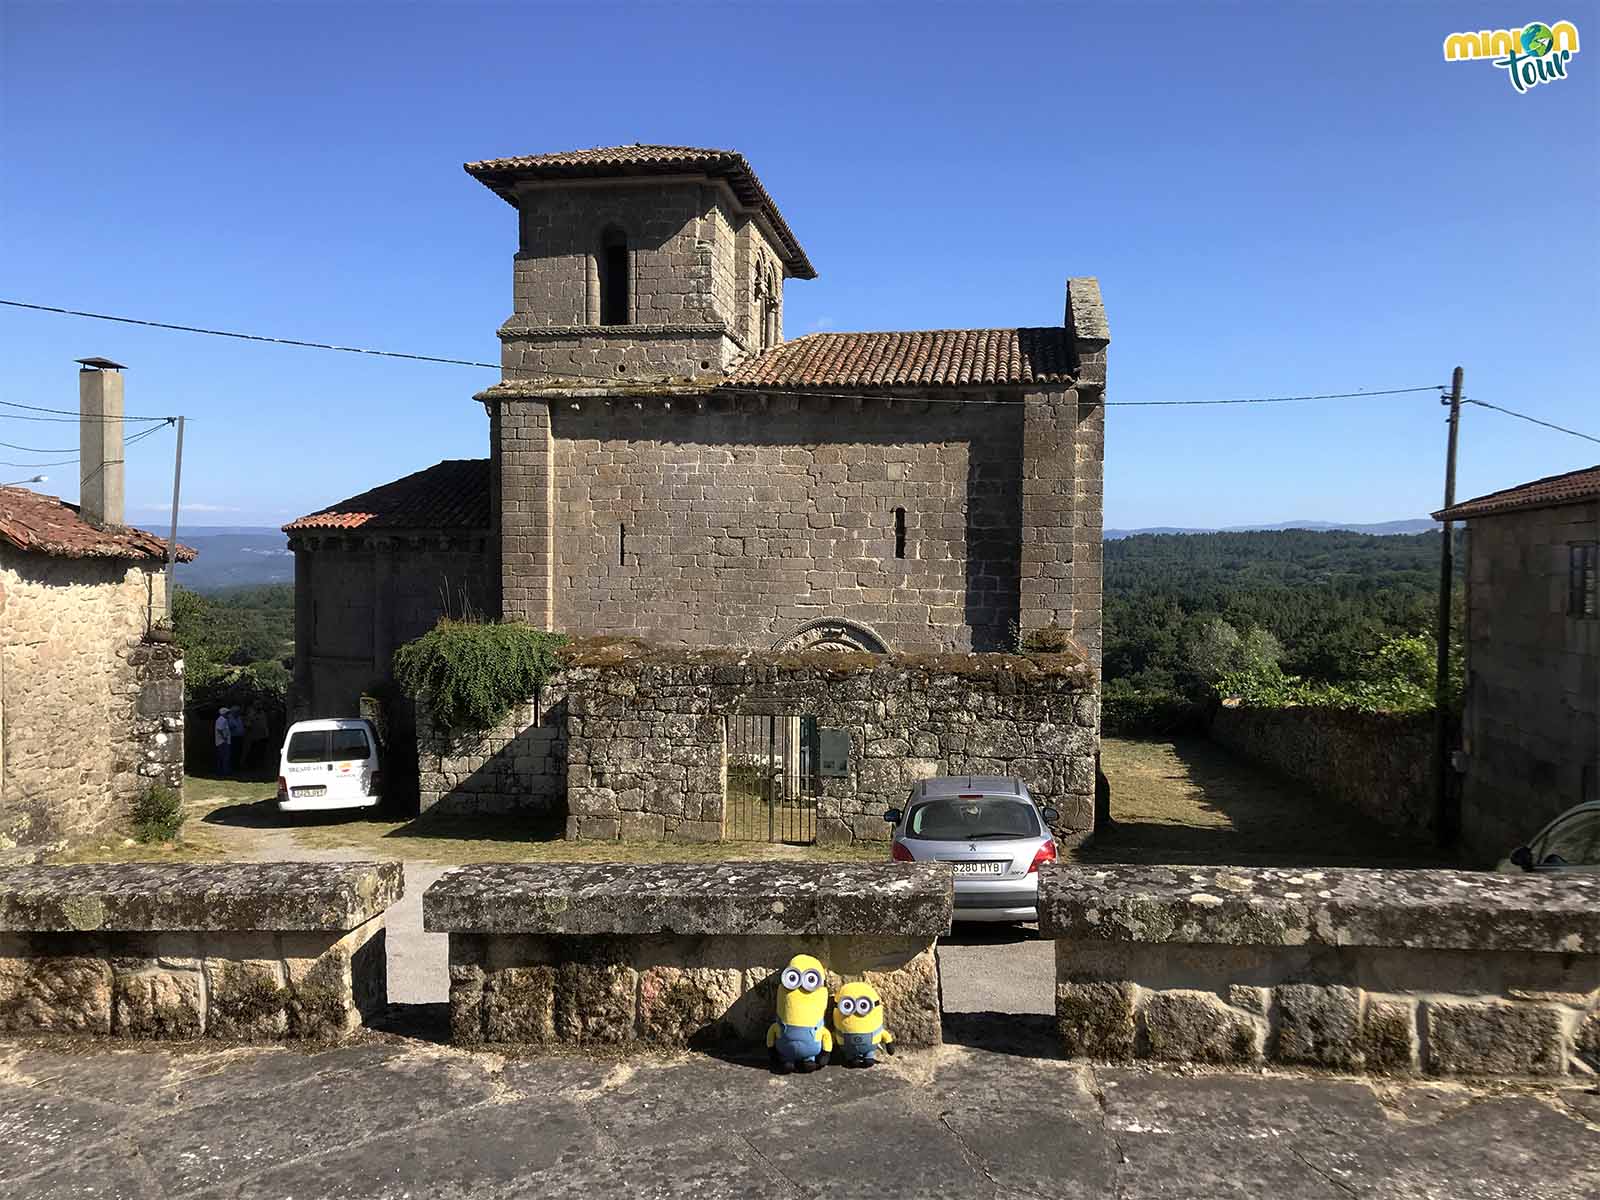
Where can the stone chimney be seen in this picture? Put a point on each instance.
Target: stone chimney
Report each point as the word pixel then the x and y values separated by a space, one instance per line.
pixel 100 469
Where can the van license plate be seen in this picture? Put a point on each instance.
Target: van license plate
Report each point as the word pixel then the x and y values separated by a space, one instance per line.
pixel 319 790
pixel 978 868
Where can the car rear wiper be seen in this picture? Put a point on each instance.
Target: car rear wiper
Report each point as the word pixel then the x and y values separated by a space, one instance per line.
pixel 1010 837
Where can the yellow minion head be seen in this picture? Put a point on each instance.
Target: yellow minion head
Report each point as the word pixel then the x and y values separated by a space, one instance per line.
pixel 802 991
pixel 857 1008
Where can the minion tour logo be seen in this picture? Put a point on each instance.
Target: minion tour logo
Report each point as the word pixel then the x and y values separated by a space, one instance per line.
pixel 1535 54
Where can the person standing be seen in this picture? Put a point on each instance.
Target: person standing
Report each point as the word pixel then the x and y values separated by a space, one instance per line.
pixel 222 734
pixel 236 738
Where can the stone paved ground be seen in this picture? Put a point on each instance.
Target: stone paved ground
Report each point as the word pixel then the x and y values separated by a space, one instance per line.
pixel 392 1117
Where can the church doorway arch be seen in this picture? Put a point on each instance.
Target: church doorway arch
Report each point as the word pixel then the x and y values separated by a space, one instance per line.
pixel 833 633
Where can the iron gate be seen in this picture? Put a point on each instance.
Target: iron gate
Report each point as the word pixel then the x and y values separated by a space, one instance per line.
pixel 773 781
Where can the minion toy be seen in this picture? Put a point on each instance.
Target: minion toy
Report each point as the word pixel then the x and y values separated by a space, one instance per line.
pixel 858 1017
pixel 799 1039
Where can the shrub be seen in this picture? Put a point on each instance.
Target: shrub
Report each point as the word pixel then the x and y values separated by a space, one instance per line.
pixel 157 814
pixel 471 674
pixel 1047 639
pixel 1130 711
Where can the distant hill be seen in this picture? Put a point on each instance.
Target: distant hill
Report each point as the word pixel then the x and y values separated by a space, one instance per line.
pixel 232 556
pixel 1382 528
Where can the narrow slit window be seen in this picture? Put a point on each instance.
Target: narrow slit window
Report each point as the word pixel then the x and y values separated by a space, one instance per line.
pixel 1583 579
pixel 622 544
pixel 899 533
pixel 614 278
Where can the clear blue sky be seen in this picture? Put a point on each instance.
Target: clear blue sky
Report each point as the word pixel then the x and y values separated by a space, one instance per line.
pixel 1276 199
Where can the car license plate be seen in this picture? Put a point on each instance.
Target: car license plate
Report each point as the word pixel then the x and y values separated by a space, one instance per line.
pixel 978 868
pixel 319 790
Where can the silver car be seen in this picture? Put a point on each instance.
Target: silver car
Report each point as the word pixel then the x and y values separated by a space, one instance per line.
pixel 1569 843
pixel 990 832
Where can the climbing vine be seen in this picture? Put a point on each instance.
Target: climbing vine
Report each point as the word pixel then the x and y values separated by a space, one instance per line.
pixel 470 674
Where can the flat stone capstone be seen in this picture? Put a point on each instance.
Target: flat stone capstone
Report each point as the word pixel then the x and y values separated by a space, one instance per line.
pixel 1272 906
pixel 163 897
pixel 885 900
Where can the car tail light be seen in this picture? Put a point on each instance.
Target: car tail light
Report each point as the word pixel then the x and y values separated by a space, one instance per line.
pixel 375 784
pixel 900 854
pixel 1046 853
pixel 283 786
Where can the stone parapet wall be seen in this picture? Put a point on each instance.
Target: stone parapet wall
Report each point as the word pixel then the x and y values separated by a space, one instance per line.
pixel 647 732
pixel 518 766
pixel 1435 972
pixel 265 951
pixel 610 954
pixel 1377 764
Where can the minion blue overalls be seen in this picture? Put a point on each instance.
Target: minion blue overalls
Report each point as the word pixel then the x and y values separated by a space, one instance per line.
pixel 799 1043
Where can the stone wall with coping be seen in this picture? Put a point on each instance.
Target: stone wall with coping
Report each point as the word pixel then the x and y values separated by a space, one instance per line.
pixel 268 951
pixel 1436 972
pixel 647 732
pixel 612 954
pixel 1377 764
pixel 90 714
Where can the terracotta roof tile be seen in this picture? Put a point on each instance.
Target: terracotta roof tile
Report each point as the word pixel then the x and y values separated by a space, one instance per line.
pixel 453 494
pixel 926 358
pixel 501 174
pixel 1570 488
pixel 47 525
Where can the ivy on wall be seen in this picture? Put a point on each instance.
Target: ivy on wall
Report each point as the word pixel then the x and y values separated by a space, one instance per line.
pixel 470 674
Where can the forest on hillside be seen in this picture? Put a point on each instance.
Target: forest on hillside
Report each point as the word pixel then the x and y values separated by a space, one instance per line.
pixel 1341 616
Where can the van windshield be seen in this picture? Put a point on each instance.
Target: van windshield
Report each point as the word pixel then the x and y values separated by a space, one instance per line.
pixel 965 819
pixel 327 745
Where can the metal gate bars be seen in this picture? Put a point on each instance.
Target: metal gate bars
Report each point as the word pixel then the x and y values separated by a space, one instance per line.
pixel 771 793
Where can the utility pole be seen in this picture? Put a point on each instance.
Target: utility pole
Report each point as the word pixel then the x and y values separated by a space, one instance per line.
pixel 172 542
pixel 1447 818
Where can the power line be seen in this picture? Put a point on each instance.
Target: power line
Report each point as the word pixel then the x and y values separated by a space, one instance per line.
pixel 133 440
pixel 66 414
pixel 1525 417
pixel 37 449
pixel 601 381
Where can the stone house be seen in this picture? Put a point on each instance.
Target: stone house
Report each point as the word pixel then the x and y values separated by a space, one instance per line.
pixel 664 465
pixel 1531 726
pixel 91 710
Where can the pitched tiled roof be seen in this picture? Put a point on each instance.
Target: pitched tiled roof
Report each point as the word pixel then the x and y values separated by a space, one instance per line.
pixel 453 494
pixel 928 358
pixel 501 174
pixel 1571 488
pixel 46 525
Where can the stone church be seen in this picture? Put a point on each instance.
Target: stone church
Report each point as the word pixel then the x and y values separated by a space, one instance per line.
pixel 664 464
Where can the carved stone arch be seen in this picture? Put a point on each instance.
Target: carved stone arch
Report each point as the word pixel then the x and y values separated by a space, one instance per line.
pixel 833 633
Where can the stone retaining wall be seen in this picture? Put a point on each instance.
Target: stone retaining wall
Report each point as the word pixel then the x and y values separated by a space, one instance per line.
pixel 518 766
pixel 1380 764
pixel 234 951
pixel 680 955
pixel 1439 972
pixel 647 732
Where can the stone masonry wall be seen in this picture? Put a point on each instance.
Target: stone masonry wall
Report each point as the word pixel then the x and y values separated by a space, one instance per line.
pixel 1378 764
pixel 647 733
pixel 1437 972
pixel 1531 730
pixel 518 766
pixel 238 986
pixel 734 524
pixel 83 703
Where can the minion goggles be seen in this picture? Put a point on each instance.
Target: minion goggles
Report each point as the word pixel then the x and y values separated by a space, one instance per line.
pixel 804 981
pixel 858 1007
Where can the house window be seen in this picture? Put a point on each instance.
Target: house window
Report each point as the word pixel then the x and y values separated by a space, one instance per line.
pixel 899 533
pixel 1583 579
pixel 614 277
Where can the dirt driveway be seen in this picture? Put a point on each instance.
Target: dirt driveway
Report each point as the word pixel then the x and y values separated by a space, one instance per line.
pixel 1190 801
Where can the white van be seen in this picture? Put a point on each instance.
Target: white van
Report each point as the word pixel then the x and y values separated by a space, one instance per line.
pixel 329 763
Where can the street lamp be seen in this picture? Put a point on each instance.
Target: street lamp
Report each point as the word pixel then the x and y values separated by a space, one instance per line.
pixel 35 479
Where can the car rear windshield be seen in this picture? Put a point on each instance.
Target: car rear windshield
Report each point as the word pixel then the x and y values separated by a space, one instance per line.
pixel 327 745
pixel 956 819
